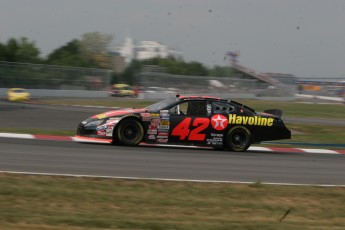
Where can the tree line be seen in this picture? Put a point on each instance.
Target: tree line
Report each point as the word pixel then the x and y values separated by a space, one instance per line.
pixel 92 51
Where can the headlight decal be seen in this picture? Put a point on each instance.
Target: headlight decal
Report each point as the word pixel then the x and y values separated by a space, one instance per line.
pixel 93 124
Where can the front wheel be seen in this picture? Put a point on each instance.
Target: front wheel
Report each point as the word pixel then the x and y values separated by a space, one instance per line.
pixel 129 132
pixel 238 139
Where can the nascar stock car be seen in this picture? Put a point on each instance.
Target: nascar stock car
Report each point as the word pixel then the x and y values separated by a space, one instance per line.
pixel 192 120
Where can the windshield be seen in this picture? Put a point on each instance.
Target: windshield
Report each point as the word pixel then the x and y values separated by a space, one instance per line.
pixel 161 104
pixel 19 91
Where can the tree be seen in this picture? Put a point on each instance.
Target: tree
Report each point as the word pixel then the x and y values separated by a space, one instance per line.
pixel 11 50
pixel 196 69
pixel 96 46
pixel 21 50
pixel 90 51
pixel 2 52
pixel 179 67
pixel 27 51
pixel 68 55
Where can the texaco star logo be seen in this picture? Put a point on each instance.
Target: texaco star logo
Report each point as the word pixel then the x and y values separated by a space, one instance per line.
pixel 219 122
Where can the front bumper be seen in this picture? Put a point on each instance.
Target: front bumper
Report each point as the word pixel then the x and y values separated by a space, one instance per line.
pixel 91 133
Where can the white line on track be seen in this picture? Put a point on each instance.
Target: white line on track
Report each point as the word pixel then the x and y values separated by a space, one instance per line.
pixel 162 179
pixel 325 151
pixel 17 135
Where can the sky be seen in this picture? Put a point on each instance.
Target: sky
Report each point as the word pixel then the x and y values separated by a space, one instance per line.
pixel 305 38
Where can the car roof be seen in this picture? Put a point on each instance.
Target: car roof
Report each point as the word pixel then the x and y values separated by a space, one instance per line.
pixel 210 98
pixel 200 98
pixel 12 89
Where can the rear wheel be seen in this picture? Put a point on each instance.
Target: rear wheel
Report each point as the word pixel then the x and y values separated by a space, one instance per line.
pixel 238 139
pixel 129 132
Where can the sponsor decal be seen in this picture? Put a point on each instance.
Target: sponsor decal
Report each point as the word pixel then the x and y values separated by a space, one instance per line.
pixel 164 127
pixel 154 115
pixel 101 132
pixel 109 132
pixel 154 125
pixel 162 140
pixel 255 120
pixel 164 122
pixel 219 122
pixel 216 139
pixel 145 116
pixel 101 116
pixel 165 114
pixel 155 122
pixel 103 127
pixel 209 109
pixel 105 130
pixel 112 121
pixel 152 131
pixel 151 137
pixel 163 134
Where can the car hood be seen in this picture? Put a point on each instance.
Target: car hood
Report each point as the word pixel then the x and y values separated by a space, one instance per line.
pixel 118 113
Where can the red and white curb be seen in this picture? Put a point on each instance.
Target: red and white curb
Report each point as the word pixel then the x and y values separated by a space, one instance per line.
pixel 252 148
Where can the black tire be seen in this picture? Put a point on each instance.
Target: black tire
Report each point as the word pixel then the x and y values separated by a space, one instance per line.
pixel 129 132
pixel 238 139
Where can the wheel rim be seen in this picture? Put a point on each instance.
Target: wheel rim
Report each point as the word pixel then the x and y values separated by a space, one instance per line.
pixel 130 132
pixel 239 139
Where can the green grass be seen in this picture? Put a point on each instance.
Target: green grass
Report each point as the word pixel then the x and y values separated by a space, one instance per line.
pixel 47 202
pixel 317 133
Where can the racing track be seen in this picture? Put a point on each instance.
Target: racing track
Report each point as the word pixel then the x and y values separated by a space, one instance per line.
pixel 59 157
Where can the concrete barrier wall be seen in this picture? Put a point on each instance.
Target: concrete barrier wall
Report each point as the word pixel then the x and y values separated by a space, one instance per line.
pixel 145 96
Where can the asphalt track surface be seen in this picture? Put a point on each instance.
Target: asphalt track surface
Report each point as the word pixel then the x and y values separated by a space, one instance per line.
pixel 49 117
pixel 60 157
pixel 53 117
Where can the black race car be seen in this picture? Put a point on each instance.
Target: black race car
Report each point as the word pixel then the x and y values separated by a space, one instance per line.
pixel 192 120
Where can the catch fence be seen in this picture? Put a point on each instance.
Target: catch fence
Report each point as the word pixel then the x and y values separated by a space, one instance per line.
pixel 36 76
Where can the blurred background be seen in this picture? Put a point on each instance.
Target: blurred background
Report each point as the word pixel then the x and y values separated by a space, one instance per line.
pixel 247 49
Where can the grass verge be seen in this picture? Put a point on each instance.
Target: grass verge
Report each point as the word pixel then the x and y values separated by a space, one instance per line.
pixel 47 202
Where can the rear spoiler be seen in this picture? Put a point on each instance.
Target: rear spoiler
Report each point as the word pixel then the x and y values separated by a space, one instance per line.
pixel 276 112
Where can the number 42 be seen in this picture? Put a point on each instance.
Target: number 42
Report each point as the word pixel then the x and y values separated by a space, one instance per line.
pixel 183 131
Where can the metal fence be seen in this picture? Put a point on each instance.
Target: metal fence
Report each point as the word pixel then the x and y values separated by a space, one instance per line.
pixel 33 76
pixel 154 81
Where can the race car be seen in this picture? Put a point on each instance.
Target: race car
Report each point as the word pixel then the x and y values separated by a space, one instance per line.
pixel 121 90
pixel 18 94
pixel 187 120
